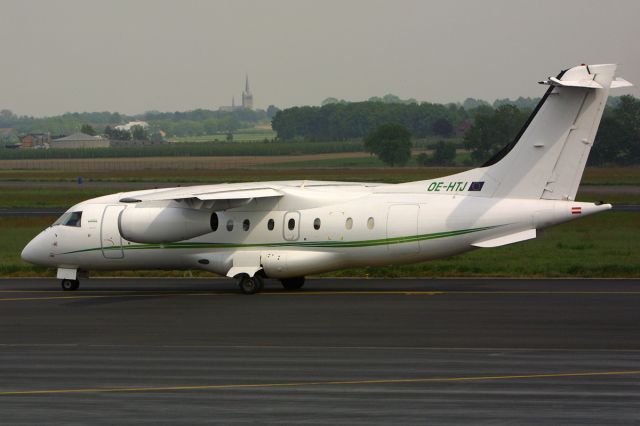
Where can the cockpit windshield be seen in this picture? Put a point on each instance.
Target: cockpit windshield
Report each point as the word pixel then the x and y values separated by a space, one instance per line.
pixel 69 219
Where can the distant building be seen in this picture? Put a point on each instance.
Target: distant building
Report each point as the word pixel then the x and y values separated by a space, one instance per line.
pixel 247 96
pixel 80 140
pixel 35 140
pixel 229 108
pixel 247 99
pixel 131 124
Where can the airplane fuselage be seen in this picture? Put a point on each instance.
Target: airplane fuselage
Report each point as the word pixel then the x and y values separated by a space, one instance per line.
pixel 315 228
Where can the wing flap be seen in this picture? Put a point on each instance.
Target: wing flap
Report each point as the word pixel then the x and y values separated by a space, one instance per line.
pixel 240 194
pixel 201 196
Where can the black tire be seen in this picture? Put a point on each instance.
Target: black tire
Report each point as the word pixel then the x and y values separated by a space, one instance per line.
pixel 70 285
pixel 295 283
pixel 250 285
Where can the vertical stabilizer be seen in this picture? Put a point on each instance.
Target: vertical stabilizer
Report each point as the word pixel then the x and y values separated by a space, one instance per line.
pixel 547 158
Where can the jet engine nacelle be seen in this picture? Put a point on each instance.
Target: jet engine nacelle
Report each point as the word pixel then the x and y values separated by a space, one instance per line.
pixel 156 225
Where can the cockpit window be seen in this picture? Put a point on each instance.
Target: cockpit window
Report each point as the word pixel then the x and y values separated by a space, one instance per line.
pixel 69 219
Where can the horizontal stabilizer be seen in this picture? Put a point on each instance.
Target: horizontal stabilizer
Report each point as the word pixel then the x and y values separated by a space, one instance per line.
pixel 587 83
pixel 620 82
pixel 507 239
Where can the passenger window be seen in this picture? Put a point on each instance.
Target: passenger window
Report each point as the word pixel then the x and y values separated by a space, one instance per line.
pixel 370 223
pixel 246 224
pixel 291 224
pixel 70 219
pixel 270 224
pixel 230 225
pixel 316 223
pixel 349 223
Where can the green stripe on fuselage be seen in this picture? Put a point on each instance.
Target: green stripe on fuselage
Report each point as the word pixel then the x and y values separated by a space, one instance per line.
pixel 308 244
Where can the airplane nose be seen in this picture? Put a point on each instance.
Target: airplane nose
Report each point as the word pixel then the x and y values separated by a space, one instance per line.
pixel 35 251
pixel 28 252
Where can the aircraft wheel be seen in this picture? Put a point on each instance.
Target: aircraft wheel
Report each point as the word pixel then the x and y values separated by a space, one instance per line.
pixel 70 285
pixel 292 283
pixel 250 285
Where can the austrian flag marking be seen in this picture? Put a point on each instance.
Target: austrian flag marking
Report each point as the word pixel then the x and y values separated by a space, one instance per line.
pixel 576 210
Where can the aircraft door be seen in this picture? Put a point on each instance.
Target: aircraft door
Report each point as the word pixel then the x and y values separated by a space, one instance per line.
pixel 291 226
pixel 402 222
pixel 110 238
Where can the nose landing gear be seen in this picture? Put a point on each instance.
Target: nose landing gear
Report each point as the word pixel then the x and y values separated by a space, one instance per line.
pixel 70 285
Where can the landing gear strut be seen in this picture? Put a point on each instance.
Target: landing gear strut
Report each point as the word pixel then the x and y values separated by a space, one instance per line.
pixel 70 285
pixel 295 283
pixel 250 285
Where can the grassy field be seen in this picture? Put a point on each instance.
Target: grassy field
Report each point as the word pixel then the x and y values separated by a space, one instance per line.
pixel 204 169
pixel 186 149
pixel 244 135
pixel 604 245
pixel 50 197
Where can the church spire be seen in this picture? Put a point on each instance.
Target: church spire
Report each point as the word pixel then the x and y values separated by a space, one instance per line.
pixel 247 97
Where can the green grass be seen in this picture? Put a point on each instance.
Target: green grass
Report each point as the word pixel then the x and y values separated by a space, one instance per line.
pixel 629 175
pixel 245 135
pixel 603 245
pixel 187 149
pixel 611 198
pixel 49 197
pixel 366 162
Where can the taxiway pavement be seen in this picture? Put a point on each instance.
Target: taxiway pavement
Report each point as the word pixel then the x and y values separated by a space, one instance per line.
pixel 343 351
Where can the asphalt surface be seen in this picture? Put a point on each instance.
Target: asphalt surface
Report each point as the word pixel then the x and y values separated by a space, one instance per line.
pixel 181 351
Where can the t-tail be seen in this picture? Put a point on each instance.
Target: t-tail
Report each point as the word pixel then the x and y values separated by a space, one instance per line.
pixel 546 160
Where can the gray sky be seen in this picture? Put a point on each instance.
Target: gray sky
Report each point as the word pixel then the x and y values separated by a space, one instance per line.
pixel 133 56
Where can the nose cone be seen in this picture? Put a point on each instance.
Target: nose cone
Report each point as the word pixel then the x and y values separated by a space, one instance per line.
pixel 36 251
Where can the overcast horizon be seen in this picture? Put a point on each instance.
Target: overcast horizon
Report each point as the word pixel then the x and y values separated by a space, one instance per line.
pixel 136 56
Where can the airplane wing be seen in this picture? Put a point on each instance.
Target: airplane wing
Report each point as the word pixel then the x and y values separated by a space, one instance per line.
pixel 207 197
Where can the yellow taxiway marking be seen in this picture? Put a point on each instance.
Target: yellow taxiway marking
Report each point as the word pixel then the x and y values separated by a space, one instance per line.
pixel 445 292
pixel 147 293
pixel 316 383
pixel 111 296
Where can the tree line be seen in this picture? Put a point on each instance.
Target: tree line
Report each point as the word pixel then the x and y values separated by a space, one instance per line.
pixel 488 129
pixel 180 123
pixel 617 141
pixel 343 121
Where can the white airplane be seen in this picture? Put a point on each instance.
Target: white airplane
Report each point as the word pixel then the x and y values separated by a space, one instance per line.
pixel 289 229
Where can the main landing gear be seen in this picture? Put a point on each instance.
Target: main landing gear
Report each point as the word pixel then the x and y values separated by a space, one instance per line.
pixel 70 285
pixel 255 284
pixel 295 283
pixel 250 285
